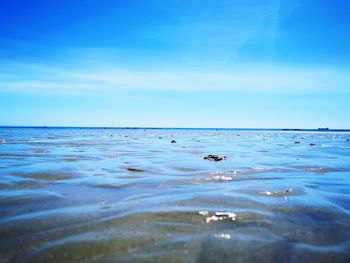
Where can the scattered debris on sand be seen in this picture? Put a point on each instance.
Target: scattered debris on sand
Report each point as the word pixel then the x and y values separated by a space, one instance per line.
pixel 277 193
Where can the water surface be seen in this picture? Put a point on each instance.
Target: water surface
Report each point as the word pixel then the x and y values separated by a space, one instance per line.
pixel 125 195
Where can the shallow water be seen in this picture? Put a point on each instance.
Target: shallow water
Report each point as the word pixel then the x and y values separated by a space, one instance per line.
pixel 125 195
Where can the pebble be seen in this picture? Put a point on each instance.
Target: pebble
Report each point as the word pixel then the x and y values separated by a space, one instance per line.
pixel 131 169
pixel 215 158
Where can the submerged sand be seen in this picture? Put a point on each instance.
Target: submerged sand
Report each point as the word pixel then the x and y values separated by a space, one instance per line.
pixel 106 195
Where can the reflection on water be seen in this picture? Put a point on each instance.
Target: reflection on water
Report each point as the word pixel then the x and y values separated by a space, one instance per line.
pixel 124 195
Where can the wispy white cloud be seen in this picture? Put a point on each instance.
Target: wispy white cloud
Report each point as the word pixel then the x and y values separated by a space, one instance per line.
pixel 241 78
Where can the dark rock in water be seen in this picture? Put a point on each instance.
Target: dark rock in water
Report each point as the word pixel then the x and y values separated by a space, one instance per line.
pixel 131 169
pixel 297 142
pixel 215 158
pixel 173 141
pixel 312 144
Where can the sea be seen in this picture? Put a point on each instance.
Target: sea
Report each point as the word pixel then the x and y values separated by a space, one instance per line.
pixel 154 195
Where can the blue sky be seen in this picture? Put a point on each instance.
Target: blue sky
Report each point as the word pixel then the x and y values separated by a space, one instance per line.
pixel 168 63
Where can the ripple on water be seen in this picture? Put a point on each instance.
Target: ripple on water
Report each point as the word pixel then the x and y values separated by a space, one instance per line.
pixel 54 175
pixel 117 237
pixel 114 185
pixel 283 193
pixel 23 184
pixel 322 170
pixel 312 225
pixel 14 155
pixel 23 197
pixel 77 158
pixel 40 150
pixel 165 235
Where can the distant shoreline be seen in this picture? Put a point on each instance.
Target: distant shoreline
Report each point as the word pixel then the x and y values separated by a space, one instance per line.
pixel 178 128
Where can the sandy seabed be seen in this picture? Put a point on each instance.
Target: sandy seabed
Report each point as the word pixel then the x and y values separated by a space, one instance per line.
pixel 124 195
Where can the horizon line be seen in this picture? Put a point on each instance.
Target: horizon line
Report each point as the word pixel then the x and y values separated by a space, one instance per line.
pixel 325 129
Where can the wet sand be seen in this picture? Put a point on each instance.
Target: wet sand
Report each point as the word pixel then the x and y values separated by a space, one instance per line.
pixel 106 195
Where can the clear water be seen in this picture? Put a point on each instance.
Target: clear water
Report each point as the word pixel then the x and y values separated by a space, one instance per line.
pixel 104 195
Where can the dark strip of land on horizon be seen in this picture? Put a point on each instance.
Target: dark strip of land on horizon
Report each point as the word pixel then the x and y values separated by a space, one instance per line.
pixel 180 128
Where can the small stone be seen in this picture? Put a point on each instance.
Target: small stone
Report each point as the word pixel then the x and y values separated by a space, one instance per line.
pixel 131 169
pixel 215 158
